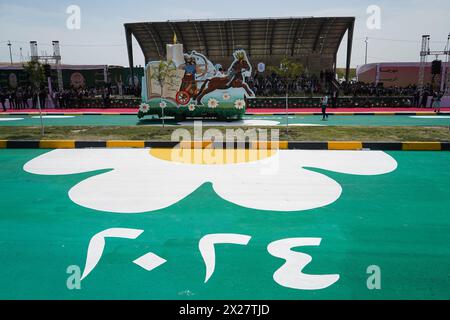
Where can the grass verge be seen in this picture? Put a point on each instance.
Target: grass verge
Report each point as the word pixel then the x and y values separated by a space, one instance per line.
pixel 441 134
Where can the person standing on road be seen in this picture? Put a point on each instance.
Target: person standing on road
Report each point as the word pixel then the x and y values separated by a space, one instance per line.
pixel 437 103
pixel 324 108
pixel 335 98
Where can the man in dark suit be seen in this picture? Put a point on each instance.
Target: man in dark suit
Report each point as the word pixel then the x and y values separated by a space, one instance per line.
pixel 424 101
pixel 3 100
pixel 42 97
pixel 335 98
pixel 12 99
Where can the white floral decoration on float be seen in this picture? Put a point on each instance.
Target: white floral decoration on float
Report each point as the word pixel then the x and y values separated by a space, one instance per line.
pixel 144 107
pixel 163 104
pixel 213 103
pixel 291 187
pixel 226 96
pixel 191 107
pixel 239 104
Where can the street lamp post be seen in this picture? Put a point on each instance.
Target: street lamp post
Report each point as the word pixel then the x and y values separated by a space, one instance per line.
pixel 367 45
pixel 10 52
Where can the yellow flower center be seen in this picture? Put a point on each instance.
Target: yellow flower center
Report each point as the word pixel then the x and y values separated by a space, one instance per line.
pixel 210 156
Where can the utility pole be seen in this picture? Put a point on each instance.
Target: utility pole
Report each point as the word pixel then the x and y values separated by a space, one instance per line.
pixel 10 53
pixel 367 44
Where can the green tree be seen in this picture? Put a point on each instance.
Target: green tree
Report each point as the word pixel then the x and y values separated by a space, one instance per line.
pixel 164 73
pixel 341 73
pixel 288 71
pixel 36 76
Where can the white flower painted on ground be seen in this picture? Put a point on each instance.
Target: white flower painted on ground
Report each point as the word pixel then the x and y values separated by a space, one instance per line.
pixel 226 96
pixel 239 104
pixel 191 107
pixel 162 104
pixel 139 182
pixel 213 103
pixel 144 107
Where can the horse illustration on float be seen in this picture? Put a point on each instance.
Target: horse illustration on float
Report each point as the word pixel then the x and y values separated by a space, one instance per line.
pixel 234 79
pixel 198 88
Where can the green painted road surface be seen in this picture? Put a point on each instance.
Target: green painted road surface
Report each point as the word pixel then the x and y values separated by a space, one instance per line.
pixel 398 221
pixel 344 120
pixel 131 120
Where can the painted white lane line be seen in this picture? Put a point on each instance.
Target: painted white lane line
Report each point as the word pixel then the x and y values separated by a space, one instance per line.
pixel 53 117
pixel 430 117
pixel 11 119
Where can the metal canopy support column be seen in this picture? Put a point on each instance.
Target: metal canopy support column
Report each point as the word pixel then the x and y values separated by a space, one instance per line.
pixel 129 40
pixel 349 50
pixel 335 64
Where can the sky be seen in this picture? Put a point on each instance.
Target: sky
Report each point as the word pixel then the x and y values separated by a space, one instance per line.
pixel 101 38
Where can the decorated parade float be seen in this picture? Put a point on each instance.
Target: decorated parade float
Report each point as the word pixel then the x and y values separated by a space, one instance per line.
pixel 188 85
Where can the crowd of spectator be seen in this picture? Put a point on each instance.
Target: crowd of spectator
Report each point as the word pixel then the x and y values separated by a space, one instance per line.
pixel 28 97
pixel 22 97
pixel 264 85
pixel 272 85
pixel 364 89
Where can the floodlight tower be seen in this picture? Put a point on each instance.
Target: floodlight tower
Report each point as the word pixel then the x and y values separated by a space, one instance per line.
pixel 424 53
pixel 445 84
pixel 34 50
pixel 10 52
pixel 57 57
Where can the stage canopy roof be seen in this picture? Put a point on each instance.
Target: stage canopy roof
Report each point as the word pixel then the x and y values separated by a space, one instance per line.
pixel 312 41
